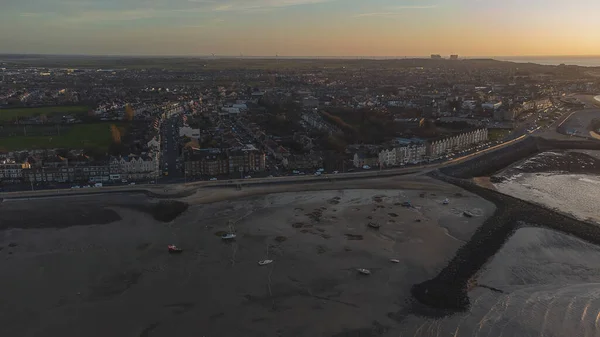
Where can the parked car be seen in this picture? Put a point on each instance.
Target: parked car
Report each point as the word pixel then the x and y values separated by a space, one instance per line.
pixel 213 179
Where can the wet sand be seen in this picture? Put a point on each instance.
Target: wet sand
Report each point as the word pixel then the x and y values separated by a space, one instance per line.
pixel 115 278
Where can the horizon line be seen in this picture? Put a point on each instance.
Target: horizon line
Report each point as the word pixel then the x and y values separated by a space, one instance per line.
pixel 299 56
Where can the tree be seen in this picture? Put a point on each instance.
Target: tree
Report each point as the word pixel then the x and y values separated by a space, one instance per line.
pixel 116 134
pixel 129 113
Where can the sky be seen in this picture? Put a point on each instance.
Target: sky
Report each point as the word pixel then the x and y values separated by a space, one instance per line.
pixel 393 28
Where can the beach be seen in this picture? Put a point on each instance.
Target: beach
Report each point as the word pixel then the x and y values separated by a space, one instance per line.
pixel 109 274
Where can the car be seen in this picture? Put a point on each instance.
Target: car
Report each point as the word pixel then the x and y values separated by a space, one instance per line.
pixel 213 179
pixel 247 177
pixel 75 186
pixel 366 167
pixel 336 172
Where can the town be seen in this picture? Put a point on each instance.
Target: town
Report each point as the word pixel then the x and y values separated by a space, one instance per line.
pixel 70 123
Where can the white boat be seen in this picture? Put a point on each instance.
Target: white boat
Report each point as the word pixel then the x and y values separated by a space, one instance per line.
pixel 364 271
pixel 264 262
pixel 446 201
pixel 395 260
pixel 229 236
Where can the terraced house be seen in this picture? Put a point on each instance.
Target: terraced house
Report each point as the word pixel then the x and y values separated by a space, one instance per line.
pixel 134 167
pixel 438 148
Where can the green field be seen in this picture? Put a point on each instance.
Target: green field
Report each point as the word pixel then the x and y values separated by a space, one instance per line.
pixel 497 134
pixel 11 114
pixel 78 137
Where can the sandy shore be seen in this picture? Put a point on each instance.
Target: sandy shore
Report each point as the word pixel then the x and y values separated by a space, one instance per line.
pixel 114 278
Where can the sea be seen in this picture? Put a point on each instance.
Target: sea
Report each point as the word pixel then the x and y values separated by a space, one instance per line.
pixel 583 61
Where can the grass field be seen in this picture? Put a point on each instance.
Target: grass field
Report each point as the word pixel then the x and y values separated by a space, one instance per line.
pixel 497 134
pixel 78 137
pixel 11 114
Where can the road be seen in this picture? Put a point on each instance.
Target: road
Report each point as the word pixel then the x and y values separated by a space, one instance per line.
pixel 170 172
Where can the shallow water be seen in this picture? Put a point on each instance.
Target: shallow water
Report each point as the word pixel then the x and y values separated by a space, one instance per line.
pixel 576 194
pixel 545 284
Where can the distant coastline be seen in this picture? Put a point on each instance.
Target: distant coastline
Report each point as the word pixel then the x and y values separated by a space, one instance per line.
pixel 583 61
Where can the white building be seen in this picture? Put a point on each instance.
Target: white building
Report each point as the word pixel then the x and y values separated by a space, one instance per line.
pixel 135 167
pixel 187 131
pixel 402 155
pixel 459 142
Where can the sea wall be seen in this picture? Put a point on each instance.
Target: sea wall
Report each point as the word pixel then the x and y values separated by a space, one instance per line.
pixel 494 161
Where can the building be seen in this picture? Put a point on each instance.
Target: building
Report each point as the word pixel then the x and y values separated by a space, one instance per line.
pixel 454 57
pixel 246 159
pixel 208 162
pixel 436 57
pixel 405 154
pixel 187 131
pixel 438 148
pixel 303 161
pixel 134 167
pixel 215 162
pixel 314 120
pixel 365 158
pixel 11 171
pixel 310 102
pixel 79 170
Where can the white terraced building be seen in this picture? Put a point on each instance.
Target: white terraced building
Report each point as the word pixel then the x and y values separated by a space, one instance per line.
pixel 402 155
pixel 459 142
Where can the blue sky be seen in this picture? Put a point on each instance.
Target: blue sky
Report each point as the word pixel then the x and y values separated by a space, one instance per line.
pixel 301 27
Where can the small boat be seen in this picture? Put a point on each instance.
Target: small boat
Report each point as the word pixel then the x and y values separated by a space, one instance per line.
pixel 174 249
pixel 264 262
pixel 374 225
pixel 446 201
pixel 395 260
pixel 228 236
pixel 468 214
pixel 364 271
